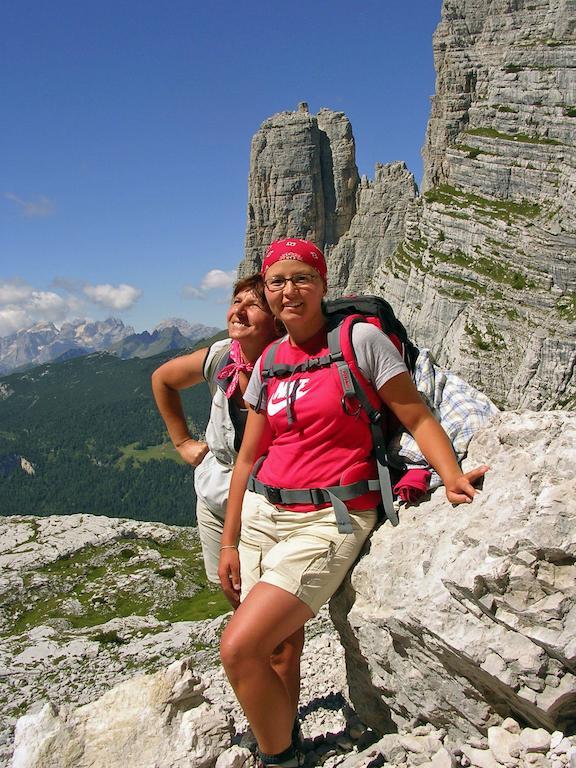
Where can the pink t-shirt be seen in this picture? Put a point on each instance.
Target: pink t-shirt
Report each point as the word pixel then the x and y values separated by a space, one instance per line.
pixel 323 446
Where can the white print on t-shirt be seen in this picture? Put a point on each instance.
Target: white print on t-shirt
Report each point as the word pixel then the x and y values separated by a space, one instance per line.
pixel 285 388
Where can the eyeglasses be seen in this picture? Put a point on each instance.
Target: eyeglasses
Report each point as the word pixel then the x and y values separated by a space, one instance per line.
pixel 298 281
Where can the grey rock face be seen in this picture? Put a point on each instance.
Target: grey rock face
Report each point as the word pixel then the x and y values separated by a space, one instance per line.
pixel 496 231
pixel 376 230
pixel 303 180
pixel 506 65
pixel 481 268
pixel 339 173
pixel 462 617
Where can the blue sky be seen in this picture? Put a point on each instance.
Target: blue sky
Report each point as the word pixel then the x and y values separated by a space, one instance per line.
pixel 126 138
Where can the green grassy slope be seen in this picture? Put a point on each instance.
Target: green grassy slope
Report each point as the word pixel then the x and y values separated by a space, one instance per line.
pixel 90 428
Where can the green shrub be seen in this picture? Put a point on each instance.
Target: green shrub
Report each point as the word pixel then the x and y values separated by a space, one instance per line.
pixel 168 571
pixel 518 281
pixel 523 138
pixel 108 637
pixel 502 209
pixel 566 306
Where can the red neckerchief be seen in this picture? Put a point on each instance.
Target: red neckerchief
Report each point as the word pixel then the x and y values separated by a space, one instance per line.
pixel 235 368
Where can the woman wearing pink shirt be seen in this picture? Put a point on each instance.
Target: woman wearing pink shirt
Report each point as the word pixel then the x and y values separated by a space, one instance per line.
pixel 280 562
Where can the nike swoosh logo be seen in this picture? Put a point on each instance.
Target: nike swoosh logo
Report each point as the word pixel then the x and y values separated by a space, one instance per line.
pixel 279 400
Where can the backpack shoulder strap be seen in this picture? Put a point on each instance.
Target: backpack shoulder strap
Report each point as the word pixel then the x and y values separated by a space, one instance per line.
pixel 344 357
pixel 340 344
pixel 216 359
pixel 268 358
pixel 266 369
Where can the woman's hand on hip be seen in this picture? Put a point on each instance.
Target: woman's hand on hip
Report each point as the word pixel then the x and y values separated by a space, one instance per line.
pixel 193 451
pixel 229 574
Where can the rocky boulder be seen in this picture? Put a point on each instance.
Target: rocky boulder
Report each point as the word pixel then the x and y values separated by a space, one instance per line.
pixel 162 718
pixel 461 617
pixel 456 642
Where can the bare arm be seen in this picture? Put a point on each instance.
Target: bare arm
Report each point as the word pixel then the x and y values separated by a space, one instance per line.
pixel 403 399
pixel 229 568
pixel 167 381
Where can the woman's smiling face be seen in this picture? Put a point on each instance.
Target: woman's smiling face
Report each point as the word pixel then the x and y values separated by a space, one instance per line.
pixel 248 319
pixel 293 303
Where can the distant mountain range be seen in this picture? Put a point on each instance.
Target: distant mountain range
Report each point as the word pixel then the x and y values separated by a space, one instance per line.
pixel 44 342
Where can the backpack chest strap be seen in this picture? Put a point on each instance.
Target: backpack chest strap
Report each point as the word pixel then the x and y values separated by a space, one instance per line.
pixel 272 369
pixel 279 370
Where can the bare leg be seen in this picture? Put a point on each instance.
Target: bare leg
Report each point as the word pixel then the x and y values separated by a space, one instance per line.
pixel 268 617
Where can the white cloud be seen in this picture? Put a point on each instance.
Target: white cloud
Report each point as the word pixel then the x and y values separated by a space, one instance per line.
pixel 33 209
pixel 22 305
pixel 14 292
pixel 214 280
pixel 117 297
pixel 217 278
pixel 189 292
pixel 48 306
pixel 14 319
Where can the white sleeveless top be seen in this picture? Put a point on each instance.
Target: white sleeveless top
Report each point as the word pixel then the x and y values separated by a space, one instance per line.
pixel 212 476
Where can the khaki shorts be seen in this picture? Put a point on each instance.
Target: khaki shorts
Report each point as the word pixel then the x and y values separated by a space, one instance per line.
pixel 301 552
pixel 210 527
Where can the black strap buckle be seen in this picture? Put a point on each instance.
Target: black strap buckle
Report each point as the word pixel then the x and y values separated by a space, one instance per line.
pixel 314 362
pixel 318 496
pixel 273 494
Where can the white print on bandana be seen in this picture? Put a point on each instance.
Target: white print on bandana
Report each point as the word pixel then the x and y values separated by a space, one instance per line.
pixel 278 400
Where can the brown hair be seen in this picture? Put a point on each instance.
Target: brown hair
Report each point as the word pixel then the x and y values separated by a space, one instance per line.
pixel 254 284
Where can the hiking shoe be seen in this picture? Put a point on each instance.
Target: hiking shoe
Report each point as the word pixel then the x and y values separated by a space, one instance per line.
pixel 296 762
pixel 293 757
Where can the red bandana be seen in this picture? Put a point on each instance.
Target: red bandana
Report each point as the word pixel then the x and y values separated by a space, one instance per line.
pixel 235 368
pixel 298 250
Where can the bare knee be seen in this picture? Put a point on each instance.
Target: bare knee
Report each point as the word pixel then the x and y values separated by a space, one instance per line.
pixel 269 617
pixel 237 648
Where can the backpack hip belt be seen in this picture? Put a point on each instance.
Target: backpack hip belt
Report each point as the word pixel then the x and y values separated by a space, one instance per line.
pixel 335 495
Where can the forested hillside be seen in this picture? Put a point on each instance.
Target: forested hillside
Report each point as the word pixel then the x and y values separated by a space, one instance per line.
pixel 94 442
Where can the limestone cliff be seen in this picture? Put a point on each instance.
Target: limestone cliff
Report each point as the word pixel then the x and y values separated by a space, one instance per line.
pixel 481 267
pixel 496 232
